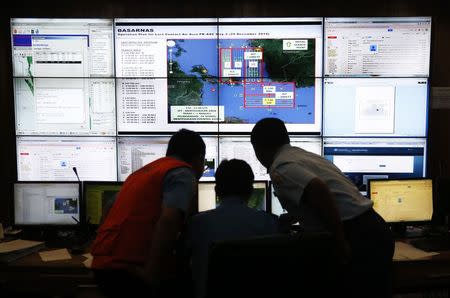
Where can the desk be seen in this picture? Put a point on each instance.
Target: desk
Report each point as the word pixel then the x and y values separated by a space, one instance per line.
pixel 71 278
pixel 56 278
pixel 425 274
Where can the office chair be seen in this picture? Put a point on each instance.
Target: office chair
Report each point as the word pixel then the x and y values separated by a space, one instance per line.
pixel 274 266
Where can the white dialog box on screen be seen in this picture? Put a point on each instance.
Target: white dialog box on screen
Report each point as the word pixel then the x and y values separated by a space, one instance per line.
pixel 374 111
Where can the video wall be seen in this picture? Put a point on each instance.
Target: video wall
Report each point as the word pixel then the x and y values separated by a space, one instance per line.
pixel 104 95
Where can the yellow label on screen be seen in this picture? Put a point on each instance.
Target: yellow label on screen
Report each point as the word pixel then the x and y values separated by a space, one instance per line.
pixel 268 101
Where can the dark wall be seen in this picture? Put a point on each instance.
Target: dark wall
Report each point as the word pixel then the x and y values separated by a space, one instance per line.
pixel 439 133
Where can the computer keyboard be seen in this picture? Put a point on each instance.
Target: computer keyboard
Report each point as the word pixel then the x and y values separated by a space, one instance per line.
pixel 432 243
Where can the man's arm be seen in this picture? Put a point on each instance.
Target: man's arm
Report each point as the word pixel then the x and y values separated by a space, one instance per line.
pixel 318 195
pixel 163 244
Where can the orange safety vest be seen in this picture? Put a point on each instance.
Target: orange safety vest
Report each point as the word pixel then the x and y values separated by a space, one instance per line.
pixel 125 236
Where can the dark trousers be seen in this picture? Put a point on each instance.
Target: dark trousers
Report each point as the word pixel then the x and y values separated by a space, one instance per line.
pixel 121 283
pixel 372 247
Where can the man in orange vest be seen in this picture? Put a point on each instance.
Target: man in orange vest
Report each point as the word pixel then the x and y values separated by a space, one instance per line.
pixel 133 250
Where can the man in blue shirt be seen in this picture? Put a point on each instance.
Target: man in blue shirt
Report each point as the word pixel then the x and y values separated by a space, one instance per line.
pixel 232 219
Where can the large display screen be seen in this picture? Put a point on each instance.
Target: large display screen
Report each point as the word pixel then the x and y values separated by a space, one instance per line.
pixel 392 47
pixel 241 148
pixel 105 95
pixel 230 72
pixel 377 158
pixel 267 68
pixel 51 158
pixel 62 48
pixel 136 152
pixel 62 106
pixel 375 107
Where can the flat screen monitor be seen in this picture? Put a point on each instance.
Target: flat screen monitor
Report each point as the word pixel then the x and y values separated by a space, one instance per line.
pixel 155 92
pixel 241 148
pixel 205 73
pixel 134 152
pixel 362 159
pixel 46 203
pixel 392 107
pixel 270 67
pixel 402 200
pixel 208 200
pixel 390 47
pixel 98 197
pixel 65 106
pixel 53 158
pixel 58 48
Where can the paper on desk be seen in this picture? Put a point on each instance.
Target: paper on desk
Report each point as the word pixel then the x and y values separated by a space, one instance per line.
pixel 16 245
pixel 405 251
pixel 55 255
pixel 88 261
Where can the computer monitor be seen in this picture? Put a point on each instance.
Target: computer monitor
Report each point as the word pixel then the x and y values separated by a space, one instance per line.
pixel 134 152
pixel 46 203
pixel 362 159
pixel 208 200
pixel 53 158
pixel 229 73
pixel 72 48
pixel 402 200
pixel 240 147
pixel 390 47
pixel 65 106
pixel 270 67
pixel 392 107
pixel 98 197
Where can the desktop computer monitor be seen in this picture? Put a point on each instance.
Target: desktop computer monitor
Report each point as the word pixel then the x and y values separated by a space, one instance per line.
pixel 48 158
pixel 380 46
pixel 402 200
pixel 208 200
pixel 364 159
pixel 46 203
pixel 134 152
pixel 98 197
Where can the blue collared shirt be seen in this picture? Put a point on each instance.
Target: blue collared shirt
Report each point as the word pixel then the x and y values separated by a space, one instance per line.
pixel 232 219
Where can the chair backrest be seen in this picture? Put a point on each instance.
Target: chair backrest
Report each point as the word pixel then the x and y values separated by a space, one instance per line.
pixel 274 266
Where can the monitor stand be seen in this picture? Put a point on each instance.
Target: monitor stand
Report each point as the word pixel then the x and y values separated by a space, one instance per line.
pixel 401 230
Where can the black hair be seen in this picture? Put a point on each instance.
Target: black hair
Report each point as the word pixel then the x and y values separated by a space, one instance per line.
pixel 234 177
pixel 186 144
pixel 269 132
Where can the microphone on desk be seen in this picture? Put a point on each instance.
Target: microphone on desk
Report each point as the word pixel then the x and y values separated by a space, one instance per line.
pixel 78 246
pixel 76 173
pixel 78 177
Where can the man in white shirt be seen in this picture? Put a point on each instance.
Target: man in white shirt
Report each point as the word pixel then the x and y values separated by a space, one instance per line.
pixel 317 193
